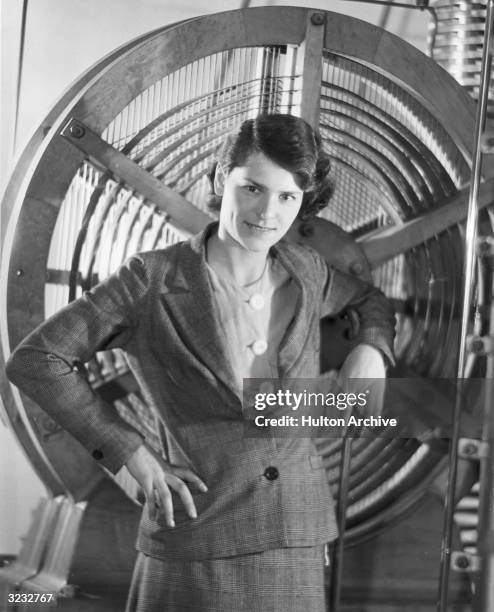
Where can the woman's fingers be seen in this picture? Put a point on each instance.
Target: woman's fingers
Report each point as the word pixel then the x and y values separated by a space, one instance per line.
pixel 173 478
pixel 157 477
pixel 182 489
pixel 163 498
pixel 188 475
pixel 148 488
pixel 163 502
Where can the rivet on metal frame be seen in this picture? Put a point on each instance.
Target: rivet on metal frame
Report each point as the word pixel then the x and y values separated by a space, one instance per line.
pixel 356 268
pixel 487 142
pixel 470 448
pixel 76 130
pixel 317 19
pixel 479 345
pixel 465 562
pixel 485 246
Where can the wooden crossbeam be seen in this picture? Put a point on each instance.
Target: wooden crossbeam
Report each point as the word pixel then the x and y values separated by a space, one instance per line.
pixel 183 214
pixel 389 242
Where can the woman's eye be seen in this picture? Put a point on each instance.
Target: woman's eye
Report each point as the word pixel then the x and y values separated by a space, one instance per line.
pixel 287 197
pixel 252 188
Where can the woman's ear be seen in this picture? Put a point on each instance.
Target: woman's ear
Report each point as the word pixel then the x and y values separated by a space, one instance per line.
pixel 219 180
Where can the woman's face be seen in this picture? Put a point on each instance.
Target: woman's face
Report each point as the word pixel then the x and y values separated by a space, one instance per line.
pixel 260 202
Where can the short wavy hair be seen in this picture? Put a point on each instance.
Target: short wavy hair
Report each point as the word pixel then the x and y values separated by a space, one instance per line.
pixel 288 141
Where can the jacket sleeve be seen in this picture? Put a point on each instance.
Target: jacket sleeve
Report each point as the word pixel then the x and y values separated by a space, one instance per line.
pixel 376 317
pixel 47 365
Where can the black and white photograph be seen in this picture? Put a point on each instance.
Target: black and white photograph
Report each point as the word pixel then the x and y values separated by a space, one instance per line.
pixel 247 306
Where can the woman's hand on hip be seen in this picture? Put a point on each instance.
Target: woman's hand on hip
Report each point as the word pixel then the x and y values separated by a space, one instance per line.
pixel 157 478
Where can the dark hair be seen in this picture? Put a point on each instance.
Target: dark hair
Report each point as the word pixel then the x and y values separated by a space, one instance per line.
pixel 288 141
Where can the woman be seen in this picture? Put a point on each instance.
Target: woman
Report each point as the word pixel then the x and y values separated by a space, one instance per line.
pixel 232 521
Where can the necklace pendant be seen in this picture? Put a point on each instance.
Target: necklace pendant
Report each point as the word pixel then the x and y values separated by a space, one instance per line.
pixel 256 301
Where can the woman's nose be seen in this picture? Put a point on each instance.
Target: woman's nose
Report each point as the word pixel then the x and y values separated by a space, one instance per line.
pixel 266 208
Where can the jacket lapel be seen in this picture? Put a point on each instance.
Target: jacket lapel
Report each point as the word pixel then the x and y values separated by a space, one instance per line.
pixel 190 299
pixel 295 337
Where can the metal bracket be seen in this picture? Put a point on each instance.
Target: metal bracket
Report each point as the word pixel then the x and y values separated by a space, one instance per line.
pixel 480 345
pixel 309 65
pixel 487 142
pixel 465 563
pixel 470 448
pixel 485 246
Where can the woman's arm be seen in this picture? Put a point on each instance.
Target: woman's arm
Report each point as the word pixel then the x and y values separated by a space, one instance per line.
pixel 375 318
pixel 48 365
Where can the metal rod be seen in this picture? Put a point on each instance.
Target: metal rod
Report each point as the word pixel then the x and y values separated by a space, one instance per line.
pixel 337 556
pixel 19 73
pixel 384 18
pixel 484 594
pixel 470 247
pixel 392 4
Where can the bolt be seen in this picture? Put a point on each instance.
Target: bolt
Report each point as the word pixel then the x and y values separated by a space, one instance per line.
pixel 49 425
pixel 77 131
pixel 19 272
pixel 317 19
pixel 469 449
pixel 476 345
pixel 462 562
pixel 487 142
pixel 356 268
pixel 483 246
pixel 306 230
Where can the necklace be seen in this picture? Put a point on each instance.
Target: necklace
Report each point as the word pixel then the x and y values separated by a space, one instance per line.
pixel 256 290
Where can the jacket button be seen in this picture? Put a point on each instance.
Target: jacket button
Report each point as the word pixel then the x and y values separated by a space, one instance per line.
pixel 259 347
pixel 97 454
pixel 271 473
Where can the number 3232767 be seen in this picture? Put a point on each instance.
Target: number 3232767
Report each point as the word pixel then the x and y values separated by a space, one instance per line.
pixel 30 597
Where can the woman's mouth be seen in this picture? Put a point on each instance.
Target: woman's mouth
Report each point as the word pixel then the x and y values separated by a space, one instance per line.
pixel 259 228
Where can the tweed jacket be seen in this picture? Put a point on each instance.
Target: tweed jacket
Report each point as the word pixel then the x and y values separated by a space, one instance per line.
pixel 159 307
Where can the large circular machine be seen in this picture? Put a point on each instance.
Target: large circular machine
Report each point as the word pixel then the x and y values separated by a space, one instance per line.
pixel 120 166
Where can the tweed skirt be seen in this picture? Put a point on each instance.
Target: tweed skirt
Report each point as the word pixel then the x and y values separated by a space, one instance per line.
pixel 284 580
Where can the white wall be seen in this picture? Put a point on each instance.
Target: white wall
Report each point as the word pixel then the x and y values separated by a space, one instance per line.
pixel 63 38
pixel 20 489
